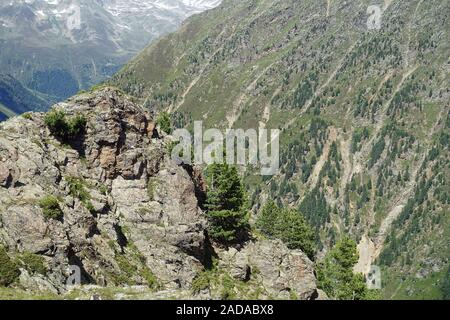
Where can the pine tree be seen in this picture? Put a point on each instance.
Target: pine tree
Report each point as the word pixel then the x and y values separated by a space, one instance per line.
pixel 335 274
pixel 267 219
pixel 295 232
pixel 287 225
pixel 226 204
pixel 164 122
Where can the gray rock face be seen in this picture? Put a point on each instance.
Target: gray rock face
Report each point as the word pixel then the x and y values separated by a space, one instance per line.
pixel 283 273
pixel 131 215
pixel 118 162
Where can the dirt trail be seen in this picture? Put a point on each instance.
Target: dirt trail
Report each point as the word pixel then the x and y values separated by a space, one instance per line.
pixel 383 81
pixel 403 198
pixel 206 65
pixel 407 54
pixel 370 250
pixel 383 116
pixel 387 3
pixel 347 174
pixel 267 109
pixel 200 75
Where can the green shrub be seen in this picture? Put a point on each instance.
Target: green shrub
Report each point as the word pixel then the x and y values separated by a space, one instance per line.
pixel 164 122
pixel 103 190
pixel 228 288
pixel 9 271
pixel 335 273
pixel 295 232
pixel 51 208
pixel 266 221
pixel 201 282
pixel 77 189
pixel 27 115
pixel 56 122
pixel 77 125
pixel 150 278
pixel 33 263
pixel 62 128
pixel 128 271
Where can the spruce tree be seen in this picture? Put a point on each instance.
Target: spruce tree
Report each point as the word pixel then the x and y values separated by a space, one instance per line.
pixel 287 225
pixel 226 204
pixel 295 232
pixel 266 221
pixel 164 122
pixel 335 274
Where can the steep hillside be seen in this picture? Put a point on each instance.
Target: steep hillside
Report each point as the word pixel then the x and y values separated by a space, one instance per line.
pixel 57 48
pixel 15 99
pixel 365 117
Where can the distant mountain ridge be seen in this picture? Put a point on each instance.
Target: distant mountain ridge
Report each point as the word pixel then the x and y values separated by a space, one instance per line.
pixel 58 47
pixel 16 99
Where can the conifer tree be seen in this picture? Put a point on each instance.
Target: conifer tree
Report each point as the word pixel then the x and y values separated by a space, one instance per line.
pixel 226 204
pixel 266 221
pixel 287 225
pixel 335 274
pixel 295 232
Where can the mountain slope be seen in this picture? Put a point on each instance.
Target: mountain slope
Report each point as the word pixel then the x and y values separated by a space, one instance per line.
pixel 15 99
pixel 57 48
pixel 364 113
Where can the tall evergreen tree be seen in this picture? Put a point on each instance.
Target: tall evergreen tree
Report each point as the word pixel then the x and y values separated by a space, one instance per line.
pixel 226 204
pixel 335 274
pixel 295 232
pixel 266 221
pixel 287 225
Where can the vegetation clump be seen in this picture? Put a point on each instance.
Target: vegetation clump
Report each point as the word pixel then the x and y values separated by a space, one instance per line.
pixel 164 122
pixel 287 225
pixel 33 263
pixel 9 271
pixel 63 128
pixel 335 274
pixel 77 189
pixel 50 208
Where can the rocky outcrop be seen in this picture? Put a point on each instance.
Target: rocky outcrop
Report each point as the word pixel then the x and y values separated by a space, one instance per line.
pixel 130 215
pixel 282 273
pixel 117 162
